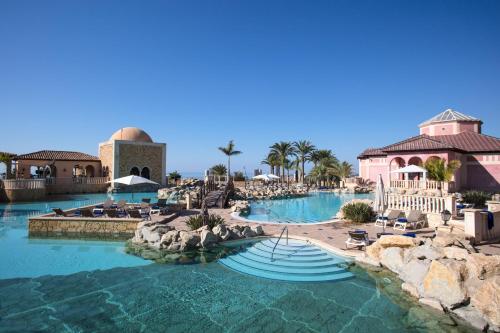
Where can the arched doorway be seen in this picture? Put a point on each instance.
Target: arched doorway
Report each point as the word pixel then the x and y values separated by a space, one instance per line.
pixel 396 163
pixel 134 171
pixel 3 170
pixel 49 171
pixel 415 160
pixel 89 171
pixel 145 172
pixel 36 171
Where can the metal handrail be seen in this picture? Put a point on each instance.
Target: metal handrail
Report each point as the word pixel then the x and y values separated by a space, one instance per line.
pixel 279 238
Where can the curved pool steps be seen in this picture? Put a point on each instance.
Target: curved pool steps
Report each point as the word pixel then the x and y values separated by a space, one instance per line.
pixel 297 261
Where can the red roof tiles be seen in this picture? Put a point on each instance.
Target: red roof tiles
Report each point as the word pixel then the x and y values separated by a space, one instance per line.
pixel 57 155
pixel 468 142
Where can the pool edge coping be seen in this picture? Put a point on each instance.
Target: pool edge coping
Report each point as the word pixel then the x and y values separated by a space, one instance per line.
pixel 236 215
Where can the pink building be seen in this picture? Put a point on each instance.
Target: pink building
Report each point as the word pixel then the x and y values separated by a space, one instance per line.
pixel 450 135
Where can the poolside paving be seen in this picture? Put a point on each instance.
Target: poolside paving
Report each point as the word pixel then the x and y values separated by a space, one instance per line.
pixel 332 234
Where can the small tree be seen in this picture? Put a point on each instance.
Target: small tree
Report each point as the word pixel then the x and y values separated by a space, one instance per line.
pixel 7 159
pixel 229 151
pixel 219 170
pixel 174 175
pixel 439 170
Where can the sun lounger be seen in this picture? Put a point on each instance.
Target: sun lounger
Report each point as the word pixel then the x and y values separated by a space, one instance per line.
pixel 146 200
pixel 113 213
pixel 388 218
pixel 135 214
pixel 86 213
pixel 60 212
pixel 357 238
pixel 413 219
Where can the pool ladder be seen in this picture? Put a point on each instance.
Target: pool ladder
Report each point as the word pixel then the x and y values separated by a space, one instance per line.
pixel 276 244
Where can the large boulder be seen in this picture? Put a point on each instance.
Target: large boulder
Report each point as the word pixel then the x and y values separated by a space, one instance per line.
pixel 445 282
pixel 222 232
pixel 373 251
pixel 482 266
pixel 169 237
pixel 258 230
pixel 414 272
pixel 207 238
pixel 472 316
pixel 456 253
pixel 392 258
pixel 487 300
pixel 248 232
pixel 188 240
pixel 396 241
pixel 422 252
pixel 150 235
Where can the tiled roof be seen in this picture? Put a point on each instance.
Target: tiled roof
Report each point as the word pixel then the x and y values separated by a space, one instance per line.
pixel 449 115
pixel 472 142
pixel 468 142
pixel 416 143
pixel 57 155
pixel 6 153
pixel 372 152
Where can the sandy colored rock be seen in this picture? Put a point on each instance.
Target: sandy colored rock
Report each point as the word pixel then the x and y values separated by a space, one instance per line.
pixel 432 303
pixel 472 316
pixel 482 266
pixel 456 253
pixel 487 300
pixel 411 289
pixel 445 282
pixel 414 272
pixel 396 241
pixel 373 251
pixel 392 258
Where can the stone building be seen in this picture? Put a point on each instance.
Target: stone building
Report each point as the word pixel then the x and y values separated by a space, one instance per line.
pixel 131 151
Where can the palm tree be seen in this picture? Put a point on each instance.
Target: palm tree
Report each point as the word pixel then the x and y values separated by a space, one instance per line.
pixel 229 151
pixel 282 150
pixel 318 155
pixel 219 170
pixel 174 175
pixel 272 161
pixel 438 170
pixel 343 170
pixel 304 150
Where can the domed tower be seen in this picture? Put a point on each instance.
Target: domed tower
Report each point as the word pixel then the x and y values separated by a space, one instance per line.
pixel 450 122
pixel 131 151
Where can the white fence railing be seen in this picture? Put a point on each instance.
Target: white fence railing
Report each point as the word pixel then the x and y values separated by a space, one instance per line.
pixel 422 184
pixel 22 184
pixel 425 204
pixel 77 180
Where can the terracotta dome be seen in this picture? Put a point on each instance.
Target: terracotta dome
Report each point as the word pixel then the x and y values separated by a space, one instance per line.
pixel 131 134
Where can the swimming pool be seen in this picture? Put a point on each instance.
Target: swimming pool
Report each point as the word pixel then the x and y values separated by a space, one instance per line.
pixel 53 285
pixel 317 207
pixel 21 256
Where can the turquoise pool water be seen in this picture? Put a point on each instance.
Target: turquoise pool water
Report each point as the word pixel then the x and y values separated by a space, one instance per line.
pixel 317 207
pixel 21 256
pixel 91 286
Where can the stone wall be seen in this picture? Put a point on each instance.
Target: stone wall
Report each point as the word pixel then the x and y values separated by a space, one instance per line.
pixel 22 195
pixel 140 156
pixel 51 226
pixel 106 157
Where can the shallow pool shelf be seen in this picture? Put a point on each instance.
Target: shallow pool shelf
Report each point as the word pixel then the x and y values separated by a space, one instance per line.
pixel 297 261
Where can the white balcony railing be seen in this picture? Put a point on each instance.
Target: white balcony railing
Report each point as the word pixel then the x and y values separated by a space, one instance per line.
pixel 77 180
pixel 422 184
pixel 22 184
pixel 425 204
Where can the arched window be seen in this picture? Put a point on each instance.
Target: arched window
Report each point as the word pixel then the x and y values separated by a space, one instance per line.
pixel 89 171
pixel 134 171
pixel 145 172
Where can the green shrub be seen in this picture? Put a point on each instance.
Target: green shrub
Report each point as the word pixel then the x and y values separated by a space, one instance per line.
pixel 358 212
pixel 196 221
pixel 477 198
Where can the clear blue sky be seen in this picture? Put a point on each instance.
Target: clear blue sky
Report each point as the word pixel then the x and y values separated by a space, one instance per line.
pixel 344 74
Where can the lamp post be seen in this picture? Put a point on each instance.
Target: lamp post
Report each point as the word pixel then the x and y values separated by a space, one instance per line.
pixel 445 216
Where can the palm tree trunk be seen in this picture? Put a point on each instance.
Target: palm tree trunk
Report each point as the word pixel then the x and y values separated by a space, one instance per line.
pixel 303 171
pixel 228 168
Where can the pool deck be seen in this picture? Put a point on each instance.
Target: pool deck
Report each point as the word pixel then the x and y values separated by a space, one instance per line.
pixel 331 235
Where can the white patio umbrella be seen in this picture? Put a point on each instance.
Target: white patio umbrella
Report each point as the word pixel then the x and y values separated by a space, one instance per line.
pixel 132 180
pixel 412 169
pixel 271 176
pixel 262 177
pixel 380 202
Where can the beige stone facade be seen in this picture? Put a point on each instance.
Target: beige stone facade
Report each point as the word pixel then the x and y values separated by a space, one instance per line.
pixel 131 151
